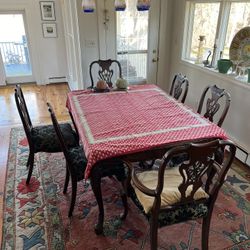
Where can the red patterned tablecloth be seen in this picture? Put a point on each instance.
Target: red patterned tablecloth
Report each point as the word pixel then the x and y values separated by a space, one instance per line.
pixel 122 122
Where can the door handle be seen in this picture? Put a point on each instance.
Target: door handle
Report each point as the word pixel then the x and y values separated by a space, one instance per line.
pixel 155 59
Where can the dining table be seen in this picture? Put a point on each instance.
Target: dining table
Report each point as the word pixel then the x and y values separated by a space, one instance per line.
pixel 137 124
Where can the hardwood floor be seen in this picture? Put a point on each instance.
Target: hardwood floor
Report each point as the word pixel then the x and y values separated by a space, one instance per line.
pixel 36 98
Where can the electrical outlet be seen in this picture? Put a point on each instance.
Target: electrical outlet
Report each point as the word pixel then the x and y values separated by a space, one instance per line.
pixel 90 43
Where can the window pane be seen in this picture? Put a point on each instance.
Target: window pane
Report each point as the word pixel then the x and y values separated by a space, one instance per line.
pixel 134 66
pixel 13 46
pixel 132 42
pixel 238 19
pixel 204 24
pixel 132 28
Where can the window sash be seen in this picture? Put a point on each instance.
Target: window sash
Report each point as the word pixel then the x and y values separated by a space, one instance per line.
pixel 221 30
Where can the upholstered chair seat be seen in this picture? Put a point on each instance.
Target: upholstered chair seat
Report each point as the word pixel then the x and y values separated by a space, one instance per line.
pixel 179 214
pixel 78 161
pixel 170 194
pixel 45 139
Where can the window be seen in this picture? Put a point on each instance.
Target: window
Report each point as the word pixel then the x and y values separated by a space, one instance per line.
pixel 132 42
pixel 219 21
pixel 239 17
pixel 204 24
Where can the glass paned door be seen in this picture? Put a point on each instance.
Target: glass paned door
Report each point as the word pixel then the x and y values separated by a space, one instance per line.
pixel 137 34
pixel 132 42
pixel 14 47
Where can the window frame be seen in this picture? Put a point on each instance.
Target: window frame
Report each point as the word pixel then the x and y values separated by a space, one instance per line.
pixel 221 30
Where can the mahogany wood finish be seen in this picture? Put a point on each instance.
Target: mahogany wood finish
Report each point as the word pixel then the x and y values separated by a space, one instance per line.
pixel 179 87
pixel 27 125
pixel 105 72
pixel 200 169
pixel 212 103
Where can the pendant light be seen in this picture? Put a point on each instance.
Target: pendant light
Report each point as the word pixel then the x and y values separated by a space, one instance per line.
pixel 88 6
pixel 143 5
pixel 120 5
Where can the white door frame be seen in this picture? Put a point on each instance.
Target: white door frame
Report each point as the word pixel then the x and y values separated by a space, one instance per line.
pixel 73 46
pixel 2 72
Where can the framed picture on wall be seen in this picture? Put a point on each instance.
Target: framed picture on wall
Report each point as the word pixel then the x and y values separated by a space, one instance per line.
pixel 49 30
pixel 47 10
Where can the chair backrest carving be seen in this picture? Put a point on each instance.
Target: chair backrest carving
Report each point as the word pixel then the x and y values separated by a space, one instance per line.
pixel 200 167
pixel 179 87
pixel 213 105
pixel 105 71
pixel 23 112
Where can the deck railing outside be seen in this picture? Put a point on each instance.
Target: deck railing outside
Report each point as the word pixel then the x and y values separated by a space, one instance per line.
pixel 14 53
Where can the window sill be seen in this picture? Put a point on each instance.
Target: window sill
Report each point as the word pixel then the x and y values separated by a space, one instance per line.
pixel 213 72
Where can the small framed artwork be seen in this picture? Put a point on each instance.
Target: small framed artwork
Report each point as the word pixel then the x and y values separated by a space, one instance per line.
pixel 47 10
pixel 49 30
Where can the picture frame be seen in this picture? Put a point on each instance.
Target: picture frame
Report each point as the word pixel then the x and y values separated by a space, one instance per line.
pixel 47 10
pixel 49 30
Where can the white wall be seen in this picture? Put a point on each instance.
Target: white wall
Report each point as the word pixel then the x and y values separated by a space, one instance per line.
pixel 237 122
pixel 47 54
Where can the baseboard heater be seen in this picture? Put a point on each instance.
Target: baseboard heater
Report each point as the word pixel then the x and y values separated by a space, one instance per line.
pixel 242 154
pixel 56 79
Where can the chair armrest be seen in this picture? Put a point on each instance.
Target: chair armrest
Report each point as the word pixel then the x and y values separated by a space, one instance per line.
pixel 136 181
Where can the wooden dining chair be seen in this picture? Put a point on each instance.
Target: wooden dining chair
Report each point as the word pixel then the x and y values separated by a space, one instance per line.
pixel 41 138
pixel 105 71
pixel 179 87
pixel 189 191
pixel 76 163
pixel 213 97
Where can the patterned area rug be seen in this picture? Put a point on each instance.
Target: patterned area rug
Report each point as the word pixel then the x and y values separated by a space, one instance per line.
pixel 35 216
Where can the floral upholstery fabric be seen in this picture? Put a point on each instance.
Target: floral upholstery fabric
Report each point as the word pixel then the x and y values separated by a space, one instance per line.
pixel 180 214
pixel 78 161
pixel 45 139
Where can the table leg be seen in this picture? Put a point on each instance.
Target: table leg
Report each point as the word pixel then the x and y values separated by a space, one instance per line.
pixel 96 187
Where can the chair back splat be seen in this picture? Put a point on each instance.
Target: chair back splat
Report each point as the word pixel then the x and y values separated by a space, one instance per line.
pixel 105 71
pixel 188 191
pixel 179 87
pixel 212 103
